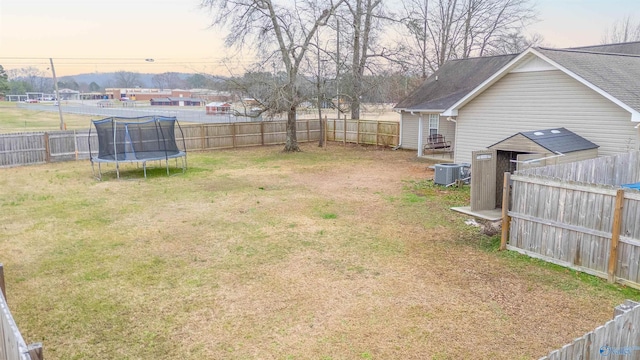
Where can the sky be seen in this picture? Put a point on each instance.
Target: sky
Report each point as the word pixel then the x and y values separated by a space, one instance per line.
pixel 102 36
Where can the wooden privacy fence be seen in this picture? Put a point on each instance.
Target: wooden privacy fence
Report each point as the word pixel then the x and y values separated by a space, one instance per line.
pixel 618 338
pixel 12 345
pixel 35 148
pixel 592 228
pixel 385 133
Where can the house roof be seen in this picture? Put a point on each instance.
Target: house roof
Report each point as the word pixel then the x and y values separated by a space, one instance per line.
pixel 558 140
pixel 451 82
pixel 185 99
pixel 219 104
pixel 170 99
pixel 615 74
pixel 629 48
pixel 611 75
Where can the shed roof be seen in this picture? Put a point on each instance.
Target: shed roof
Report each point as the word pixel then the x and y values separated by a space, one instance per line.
pixel 558 140
pixel 452 81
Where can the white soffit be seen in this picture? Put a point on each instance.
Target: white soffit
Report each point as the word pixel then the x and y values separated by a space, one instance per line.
pixel 533 64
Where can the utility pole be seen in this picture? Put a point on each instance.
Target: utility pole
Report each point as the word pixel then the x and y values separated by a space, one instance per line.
pixel 338 67
pixel 55 85
pixel 322 128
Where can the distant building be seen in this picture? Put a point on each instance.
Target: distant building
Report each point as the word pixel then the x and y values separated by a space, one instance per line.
pixel 175 101
pixel 68 94
pixel 215 108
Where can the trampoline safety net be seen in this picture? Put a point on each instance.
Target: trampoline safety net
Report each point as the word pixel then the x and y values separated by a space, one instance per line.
pixel 138 139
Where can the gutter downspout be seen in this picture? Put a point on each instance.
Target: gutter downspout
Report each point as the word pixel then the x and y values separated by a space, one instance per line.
pixel 400 135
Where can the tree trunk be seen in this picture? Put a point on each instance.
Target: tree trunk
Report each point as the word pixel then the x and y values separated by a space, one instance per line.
pixel 322 129
pixel 291 145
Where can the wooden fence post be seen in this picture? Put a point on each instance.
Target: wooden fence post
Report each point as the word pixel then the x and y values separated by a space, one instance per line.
pixel 202 138
pixel 47 149
pixel 615 235
pixel 75 143
pixel 334 129
pixel 233 135
pixel 262 132
pixel 2 288
pixel 377 132
pixel 35 351
pixel 506 219
pixel 344 132
pixel 308 132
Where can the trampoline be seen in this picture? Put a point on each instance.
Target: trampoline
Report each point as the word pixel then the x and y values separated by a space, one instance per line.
pixel 137 140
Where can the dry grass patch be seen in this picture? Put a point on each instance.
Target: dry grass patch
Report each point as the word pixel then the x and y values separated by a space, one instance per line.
pixel 342 253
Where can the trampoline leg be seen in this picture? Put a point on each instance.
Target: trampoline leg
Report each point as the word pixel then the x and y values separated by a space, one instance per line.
pixel 144 167
pixel 118 170
pixel 167 161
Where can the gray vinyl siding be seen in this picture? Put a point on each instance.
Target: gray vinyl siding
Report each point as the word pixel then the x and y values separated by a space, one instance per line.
pixel 447 129
pixel 541 100
pixel 409 131
pixel 410 128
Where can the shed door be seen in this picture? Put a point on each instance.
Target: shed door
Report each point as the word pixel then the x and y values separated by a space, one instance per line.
pixel 483 180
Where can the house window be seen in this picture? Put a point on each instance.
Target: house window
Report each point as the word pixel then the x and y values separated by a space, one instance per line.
pixel 434 119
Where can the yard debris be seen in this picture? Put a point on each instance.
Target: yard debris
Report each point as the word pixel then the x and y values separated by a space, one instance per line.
pixel 472 222
pixel 489 228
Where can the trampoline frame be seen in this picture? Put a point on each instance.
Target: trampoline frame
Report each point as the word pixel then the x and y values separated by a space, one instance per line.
pixel 131 156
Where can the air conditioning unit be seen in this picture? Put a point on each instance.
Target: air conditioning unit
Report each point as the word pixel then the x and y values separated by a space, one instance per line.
pixel 447 174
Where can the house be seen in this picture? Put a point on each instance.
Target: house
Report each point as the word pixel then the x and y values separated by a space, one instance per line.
pixel 215 108
pixel 421 110
pixel 596 95
pixel 592 91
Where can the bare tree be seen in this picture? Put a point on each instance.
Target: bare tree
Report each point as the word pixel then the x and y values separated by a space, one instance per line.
pixel 623 30
pixel 514 43
pixel 34 79
pixel 454 29
pixel 280 31
pixel 168 80
pixel 127 79
pixel 416 22
pixel 365 18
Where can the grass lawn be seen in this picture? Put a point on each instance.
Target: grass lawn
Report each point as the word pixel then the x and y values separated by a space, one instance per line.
pixel 344 253
pixel 14 119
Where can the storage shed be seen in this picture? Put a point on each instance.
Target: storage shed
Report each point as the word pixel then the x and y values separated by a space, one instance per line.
pixel 521 151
